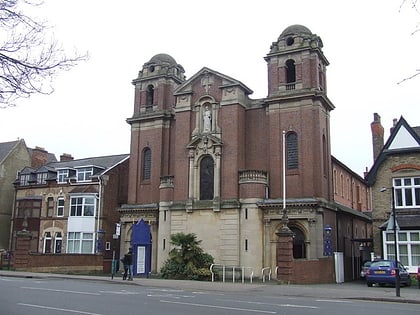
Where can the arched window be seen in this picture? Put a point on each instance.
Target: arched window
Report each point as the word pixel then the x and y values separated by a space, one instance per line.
pixel 206 178
pixel 150 93
pixel 299 246
pixel 290 71
pixel 292 151
pixel 147 163
pixel 47 242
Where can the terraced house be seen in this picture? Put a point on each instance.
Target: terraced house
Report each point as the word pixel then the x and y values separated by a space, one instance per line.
pixel 67 210
pixel 15 155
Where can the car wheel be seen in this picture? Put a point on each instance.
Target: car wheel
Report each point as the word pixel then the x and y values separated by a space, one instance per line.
pixel 369 284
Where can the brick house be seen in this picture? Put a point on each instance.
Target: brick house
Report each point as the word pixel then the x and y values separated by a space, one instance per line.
pixel 396 167
pixel 14 156
pixel 207 159
pixel 68 207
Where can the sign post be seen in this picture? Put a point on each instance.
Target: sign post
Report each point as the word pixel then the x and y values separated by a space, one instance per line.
pixel 114 260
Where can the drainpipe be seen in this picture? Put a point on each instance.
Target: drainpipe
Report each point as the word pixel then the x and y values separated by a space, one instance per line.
pixel 98 212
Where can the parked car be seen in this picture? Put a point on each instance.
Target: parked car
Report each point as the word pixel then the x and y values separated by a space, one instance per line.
pixel 365 267
pixel 418 275
pixel 383 272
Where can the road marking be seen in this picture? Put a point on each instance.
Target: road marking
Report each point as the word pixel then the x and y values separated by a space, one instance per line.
pixel 64 291
pixel 57 309
pixel 334 301
pixel 120 292
pixel 272 304
pixel 220 307
pixel 167 290
pixel 175 296
pixel 9 280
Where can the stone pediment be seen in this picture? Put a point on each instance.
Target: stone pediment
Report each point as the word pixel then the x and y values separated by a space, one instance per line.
pixel 207 140
pixel 206 77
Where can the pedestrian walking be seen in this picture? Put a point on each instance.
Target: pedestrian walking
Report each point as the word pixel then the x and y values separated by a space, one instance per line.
pixel 124 261
pixel 129 261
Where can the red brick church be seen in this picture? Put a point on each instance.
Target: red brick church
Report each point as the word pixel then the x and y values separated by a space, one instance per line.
pixel 208 159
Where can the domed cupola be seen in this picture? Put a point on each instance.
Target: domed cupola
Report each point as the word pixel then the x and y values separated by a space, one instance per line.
pixel 162 65
pixel 155 83
pixel 296 37
pixel 296 62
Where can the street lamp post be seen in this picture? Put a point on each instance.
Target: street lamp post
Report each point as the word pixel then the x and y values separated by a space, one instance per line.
pixel 394 229
pixel 397 268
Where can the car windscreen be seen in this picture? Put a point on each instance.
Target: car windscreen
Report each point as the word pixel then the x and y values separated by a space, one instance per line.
pixel 381 263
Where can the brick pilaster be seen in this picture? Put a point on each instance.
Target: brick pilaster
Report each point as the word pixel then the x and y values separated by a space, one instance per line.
pixel 285 255
pixel 21 255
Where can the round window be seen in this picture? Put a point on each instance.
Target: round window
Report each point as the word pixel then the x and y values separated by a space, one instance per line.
pixel 290 41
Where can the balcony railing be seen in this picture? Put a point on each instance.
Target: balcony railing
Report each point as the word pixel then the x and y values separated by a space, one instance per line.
pixel 253 176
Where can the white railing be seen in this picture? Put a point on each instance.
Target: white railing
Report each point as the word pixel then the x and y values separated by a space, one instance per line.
pixel 234 269
pixel 263 272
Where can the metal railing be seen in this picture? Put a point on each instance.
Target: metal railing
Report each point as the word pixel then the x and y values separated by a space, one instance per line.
pixel 263 274
pixel 226 270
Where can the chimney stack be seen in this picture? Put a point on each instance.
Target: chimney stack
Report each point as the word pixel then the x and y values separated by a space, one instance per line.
pixel 39 157
pixel 394 123
pixel 377 135
pixel 66 157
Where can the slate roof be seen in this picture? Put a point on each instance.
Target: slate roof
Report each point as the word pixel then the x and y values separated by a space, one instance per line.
pixel 386 152
pixel 405 222
pixel 104 162
pixel 6 148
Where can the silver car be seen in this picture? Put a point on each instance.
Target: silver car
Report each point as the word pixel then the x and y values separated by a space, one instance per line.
pixel 365 267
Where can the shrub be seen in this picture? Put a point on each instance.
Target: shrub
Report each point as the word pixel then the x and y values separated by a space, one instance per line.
pixel 187 260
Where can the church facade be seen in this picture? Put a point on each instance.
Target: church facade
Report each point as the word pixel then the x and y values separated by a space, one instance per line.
pixel 208 159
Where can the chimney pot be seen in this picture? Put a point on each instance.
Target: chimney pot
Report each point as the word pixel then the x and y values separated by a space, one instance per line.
pixel 66 157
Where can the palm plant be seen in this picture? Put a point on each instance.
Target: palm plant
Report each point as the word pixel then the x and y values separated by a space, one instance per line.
pixel 187 259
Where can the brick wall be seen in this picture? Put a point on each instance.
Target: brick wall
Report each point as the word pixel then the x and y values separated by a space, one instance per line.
pixel 313 271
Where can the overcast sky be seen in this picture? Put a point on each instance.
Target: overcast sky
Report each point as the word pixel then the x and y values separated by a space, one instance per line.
pixel 370 46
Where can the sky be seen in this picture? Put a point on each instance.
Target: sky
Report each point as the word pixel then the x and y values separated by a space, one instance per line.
pixel 370 45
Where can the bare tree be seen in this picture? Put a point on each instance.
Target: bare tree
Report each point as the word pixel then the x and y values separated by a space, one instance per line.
pixel 413 6
pixel 29 56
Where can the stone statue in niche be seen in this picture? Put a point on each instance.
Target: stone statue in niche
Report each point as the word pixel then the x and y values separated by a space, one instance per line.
pixel 206 119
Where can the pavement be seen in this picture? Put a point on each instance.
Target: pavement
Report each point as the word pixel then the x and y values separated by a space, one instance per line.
pixel 356 290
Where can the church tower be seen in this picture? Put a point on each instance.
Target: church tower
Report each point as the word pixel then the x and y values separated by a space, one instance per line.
pixel 151 125
pixel 297 104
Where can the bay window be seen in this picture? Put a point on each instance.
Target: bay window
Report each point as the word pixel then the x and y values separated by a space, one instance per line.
pixel 408 247
pixel 82 206
pixel 80 243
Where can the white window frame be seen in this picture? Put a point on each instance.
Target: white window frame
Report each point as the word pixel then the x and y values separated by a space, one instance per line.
pixel 404 187
pixel 47 237
pixel 85 203
pixel 58 239
pixel 60 208
pixel 62 176
pixel 408 239
pixel 84 174
pixel 24 179
pixel 41 178
pixel 80 243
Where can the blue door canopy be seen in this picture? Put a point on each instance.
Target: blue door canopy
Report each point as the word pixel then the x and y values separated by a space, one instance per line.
pixel 141 234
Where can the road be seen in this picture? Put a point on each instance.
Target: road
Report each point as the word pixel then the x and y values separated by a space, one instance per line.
pixel 22 296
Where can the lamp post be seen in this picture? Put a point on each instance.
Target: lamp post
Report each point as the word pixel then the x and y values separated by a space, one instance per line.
pixel 394 229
